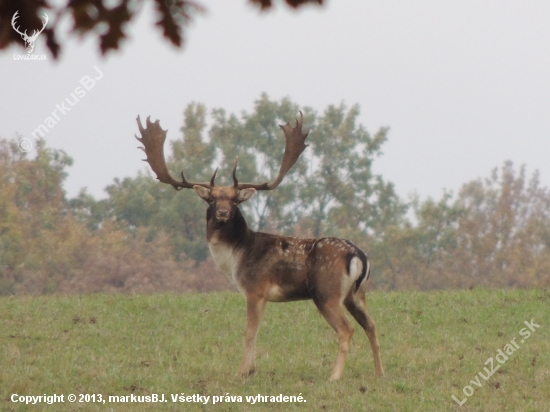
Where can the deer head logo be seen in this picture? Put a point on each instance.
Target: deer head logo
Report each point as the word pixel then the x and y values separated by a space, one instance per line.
pixel 29 40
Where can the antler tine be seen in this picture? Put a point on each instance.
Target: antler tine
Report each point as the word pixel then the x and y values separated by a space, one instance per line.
pixel 44 22
pixel 153 137
pixel 13 20
pixel 235 181
pixel 294 147
pixel 213 178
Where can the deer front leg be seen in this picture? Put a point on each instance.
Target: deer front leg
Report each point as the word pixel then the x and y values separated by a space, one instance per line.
pixel 255 307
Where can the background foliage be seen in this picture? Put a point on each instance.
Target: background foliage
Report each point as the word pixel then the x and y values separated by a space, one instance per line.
pixel 145 237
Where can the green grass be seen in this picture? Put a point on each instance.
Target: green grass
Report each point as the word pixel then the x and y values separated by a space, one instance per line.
pixel 432 345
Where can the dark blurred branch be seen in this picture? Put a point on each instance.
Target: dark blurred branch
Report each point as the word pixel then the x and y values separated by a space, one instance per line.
pixel 97 19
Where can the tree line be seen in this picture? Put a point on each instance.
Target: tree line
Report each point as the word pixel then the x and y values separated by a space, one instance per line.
pixel 146 237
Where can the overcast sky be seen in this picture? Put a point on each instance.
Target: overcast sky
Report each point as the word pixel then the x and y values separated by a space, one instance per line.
pixel 463 86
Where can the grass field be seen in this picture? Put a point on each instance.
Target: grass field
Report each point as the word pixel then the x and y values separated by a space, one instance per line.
pixel 433 345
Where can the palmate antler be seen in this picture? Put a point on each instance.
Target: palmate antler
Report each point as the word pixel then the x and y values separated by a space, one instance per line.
pixel 153 137
pixel 294 147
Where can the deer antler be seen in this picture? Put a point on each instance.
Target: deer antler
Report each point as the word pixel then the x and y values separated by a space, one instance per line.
pixel 153 138
pixel 36 32
pixel 13 19
pixel 24 34
pixel 295 139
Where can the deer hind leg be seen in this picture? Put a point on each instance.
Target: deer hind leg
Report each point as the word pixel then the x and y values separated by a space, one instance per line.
pixel 333 312
pixel 255 307
pixel 357 307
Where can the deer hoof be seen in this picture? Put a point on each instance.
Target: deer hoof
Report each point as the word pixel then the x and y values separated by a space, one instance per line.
pixel 245 374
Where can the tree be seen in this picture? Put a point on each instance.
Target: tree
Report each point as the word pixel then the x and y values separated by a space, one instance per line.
pixel 51 244
pixel 494 232
pixel 33 219
pixel 103 19
pixel 331 190
pixel 341 195
pixel 504 233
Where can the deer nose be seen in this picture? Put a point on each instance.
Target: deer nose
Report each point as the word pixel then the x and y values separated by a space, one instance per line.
pixel 223 212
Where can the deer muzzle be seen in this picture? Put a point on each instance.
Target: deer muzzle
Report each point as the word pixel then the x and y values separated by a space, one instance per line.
pixel 222 215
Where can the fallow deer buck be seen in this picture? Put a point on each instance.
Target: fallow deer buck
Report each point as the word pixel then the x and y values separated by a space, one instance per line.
pixel 270 268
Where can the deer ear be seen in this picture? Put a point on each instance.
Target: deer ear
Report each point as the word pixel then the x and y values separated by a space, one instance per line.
pixel 245 194
pixel 203 192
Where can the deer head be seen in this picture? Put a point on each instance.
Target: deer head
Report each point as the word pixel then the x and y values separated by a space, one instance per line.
pixel 29 40
pixel 223 200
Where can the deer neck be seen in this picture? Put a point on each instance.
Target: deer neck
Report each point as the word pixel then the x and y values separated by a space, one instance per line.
pixel 231 233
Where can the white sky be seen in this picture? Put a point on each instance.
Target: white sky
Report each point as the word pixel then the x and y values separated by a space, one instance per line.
pixel 462 85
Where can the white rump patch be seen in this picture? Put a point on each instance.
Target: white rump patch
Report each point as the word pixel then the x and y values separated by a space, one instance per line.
pixel 355 268
pixel 348 279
